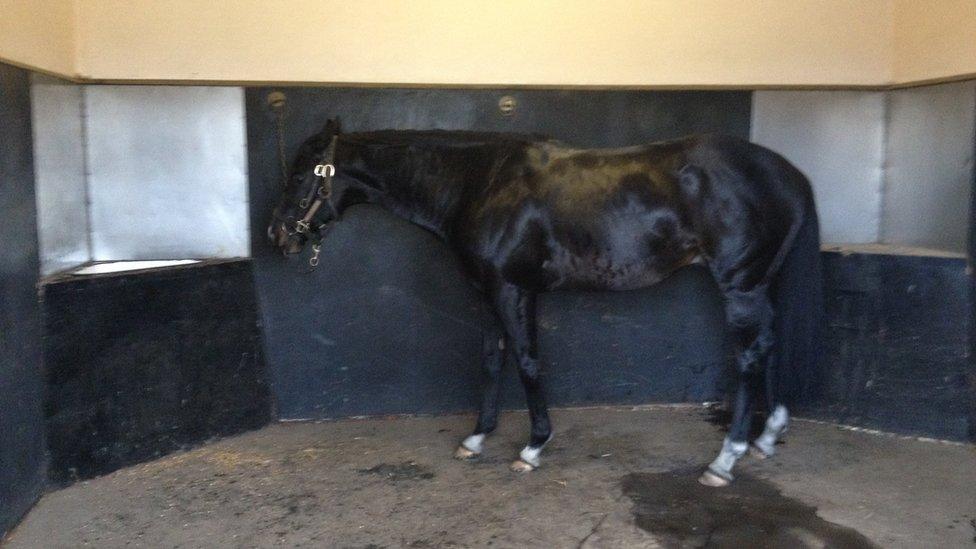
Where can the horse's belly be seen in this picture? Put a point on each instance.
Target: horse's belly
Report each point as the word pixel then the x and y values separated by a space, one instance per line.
pixel 608 273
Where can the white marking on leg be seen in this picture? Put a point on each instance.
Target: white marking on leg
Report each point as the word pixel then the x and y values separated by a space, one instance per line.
pixel 530 455
pixel 775 425
pixel 470 447
pixel 731 452
pixel 475 443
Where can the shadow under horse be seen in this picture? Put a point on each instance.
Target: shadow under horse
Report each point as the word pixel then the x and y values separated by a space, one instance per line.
pixel 526 214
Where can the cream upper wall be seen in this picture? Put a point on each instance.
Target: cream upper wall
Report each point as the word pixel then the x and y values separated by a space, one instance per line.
pixel 39 34
pixel 739 43
pixel 545 42
pixel 934 39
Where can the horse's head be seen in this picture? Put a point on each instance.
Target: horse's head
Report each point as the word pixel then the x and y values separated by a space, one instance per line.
pixel 307 206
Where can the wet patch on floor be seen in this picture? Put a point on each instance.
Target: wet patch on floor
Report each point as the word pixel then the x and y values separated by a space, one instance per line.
pixel 404 471
pixel 751 512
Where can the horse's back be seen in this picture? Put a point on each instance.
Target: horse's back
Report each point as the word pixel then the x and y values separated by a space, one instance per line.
pixel 560 217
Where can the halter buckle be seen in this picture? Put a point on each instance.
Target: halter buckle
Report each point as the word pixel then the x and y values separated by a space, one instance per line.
pixel 314 260
pixel 302 226
pixel 324 170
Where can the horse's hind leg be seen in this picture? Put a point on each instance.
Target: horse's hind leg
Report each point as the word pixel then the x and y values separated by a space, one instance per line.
pixel 765 445
pixel 750 319
pixel 516 309
pixel 493 358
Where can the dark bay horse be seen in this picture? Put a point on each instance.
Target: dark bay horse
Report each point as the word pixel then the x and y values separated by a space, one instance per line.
pixel 526 214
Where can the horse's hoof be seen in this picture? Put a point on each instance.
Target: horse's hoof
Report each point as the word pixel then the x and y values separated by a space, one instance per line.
pixel 463 453
pixel 757 452
pixel 712 480
pixel 520 466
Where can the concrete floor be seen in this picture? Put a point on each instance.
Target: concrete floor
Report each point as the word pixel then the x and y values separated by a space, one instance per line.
pixel 610 478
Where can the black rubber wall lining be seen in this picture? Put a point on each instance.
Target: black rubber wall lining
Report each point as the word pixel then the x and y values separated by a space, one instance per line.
pixel 971 271
pixel 22 461
pixel 140 364
pixel 388 324
pixel 896 355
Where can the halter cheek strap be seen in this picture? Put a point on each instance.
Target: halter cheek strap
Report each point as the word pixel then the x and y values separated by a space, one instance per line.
pixel 323 195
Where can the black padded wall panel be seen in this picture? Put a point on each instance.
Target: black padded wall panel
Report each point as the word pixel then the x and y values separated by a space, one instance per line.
pixel 388 324
pixel 143 363
pixel 22 458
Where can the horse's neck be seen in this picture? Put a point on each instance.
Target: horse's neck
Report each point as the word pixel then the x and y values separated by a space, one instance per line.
pixel 422 194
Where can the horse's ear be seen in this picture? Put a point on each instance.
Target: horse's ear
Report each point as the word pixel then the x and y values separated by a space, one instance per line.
pixel 332 127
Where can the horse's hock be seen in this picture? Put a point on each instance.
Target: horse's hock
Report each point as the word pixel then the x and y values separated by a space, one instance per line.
pixel 452 275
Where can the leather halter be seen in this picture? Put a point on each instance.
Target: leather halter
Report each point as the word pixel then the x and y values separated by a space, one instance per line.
pixel 321 192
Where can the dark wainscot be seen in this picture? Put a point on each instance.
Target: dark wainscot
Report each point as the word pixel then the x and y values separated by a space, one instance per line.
pixel 142 363
pixel 897 345
pixel 387 323
pixel 22 460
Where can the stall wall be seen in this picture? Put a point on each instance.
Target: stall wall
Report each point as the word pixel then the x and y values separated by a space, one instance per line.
pixel 888 167
pixel 895 353
pixel 658 43
pixel 141 364
pixel 933 40
pixel 619 42
pixel 167 172
pixel 57 108
pixel 39 34
pixel 139 172
pixel 837 139
pixel 22 457
pixel 929 166
pixel 388 323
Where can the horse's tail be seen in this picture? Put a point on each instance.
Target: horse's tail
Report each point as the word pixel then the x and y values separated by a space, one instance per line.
pixel 798 301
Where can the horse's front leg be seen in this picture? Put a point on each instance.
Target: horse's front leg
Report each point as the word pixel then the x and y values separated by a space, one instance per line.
pixel 516 309
pixel 493 359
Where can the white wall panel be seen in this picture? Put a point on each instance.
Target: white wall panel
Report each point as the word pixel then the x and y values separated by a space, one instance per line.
pixel 837 139
pixel 168 172
pixel 59 173
pixel 930 165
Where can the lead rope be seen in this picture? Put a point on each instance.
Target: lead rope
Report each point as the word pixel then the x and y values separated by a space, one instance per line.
pixel 276 100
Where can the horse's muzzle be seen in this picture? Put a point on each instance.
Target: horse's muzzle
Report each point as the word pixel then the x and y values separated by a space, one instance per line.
pixel 288 243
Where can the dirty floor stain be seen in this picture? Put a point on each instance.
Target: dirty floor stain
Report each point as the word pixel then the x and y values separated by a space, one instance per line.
pixel 404 471
pixel 752 512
